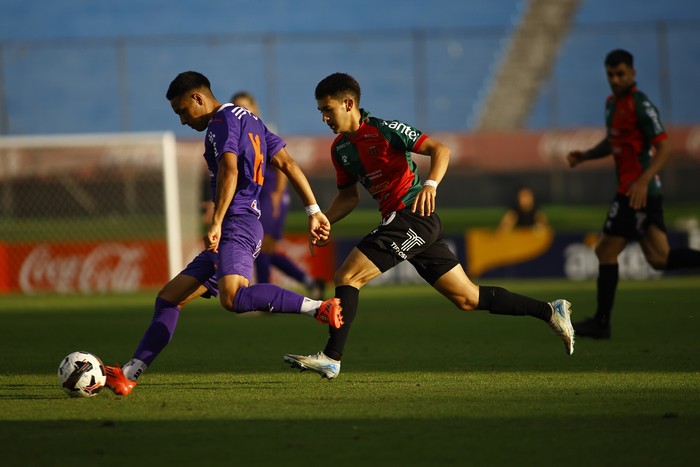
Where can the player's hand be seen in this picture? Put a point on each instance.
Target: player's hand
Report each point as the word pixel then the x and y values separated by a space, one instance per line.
pixel 319 226
pixel 212 237
pixel 574 158
pixel 313 243
pixel 424 203
pixel 319 231
pixel 637 193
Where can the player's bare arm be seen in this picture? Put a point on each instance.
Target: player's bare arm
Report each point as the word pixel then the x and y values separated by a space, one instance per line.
pixel 439 160
pixel 226 181
pixel 601 149
pixel 345 201
pixel 637 191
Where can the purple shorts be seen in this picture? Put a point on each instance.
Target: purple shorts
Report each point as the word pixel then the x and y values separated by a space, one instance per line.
pixel 238 248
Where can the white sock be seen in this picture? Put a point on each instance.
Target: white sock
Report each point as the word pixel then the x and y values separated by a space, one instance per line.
pixel 133 369
pixel 310 307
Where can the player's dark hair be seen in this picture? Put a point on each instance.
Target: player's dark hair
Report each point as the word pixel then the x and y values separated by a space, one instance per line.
pixel 619 56
pixel 339 85
pixel 187 81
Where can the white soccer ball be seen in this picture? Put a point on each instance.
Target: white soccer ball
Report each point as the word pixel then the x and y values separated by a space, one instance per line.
pixel 81 374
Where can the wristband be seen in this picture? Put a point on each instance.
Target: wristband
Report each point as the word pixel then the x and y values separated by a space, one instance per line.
pixel 431 183
pixel 312 209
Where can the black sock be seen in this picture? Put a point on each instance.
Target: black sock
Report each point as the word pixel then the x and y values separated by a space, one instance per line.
pixel 349 299
pixel 500 301
pixel 680 258
pixel 607 285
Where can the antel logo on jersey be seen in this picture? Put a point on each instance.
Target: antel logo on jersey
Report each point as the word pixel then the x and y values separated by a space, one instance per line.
pixel 108 267
pixel 654 117
pixel 403 128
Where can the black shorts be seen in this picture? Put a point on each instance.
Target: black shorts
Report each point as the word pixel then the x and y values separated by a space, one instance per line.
pixel 623 221
pixel 409 236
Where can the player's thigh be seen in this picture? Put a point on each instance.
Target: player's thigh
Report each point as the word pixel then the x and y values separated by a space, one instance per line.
pixel 456 286
pixel 356 270
pixel 609 248
pixel 655 246
pixel 181 290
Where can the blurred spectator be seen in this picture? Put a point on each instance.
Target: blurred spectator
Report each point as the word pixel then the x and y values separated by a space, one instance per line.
pixel 523 213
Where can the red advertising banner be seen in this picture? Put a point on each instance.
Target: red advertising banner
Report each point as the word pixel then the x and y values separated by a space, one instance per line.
pixel 122 266
pixel 85 267
pixel 296 248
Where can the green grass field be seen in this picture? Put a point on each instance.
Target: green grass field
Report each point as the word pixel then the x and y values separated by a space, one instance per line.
pixel 563 218
pixel 422 384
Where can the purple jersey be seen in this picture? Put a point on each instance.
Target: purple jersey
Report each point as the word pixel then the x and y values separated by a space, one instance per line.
pixel 235 129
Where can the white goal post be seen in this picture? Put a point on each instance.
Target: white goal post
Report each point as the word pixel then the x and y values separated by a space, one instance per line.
pixel 71 193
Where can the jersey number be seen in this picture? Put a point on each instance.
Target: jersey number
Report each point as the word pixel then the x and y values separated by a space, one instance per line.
pixel 259 159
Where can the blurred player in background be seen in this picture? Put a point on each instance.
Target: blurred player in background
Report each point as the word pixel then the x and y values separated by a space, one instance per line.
pixel 274 205
pixel 237 149
pixel 634 132
pixel 523 213
pixel 377 154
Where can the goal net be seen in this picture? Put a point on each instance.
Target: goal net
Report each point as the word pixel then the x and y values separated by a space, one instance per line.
pixel 97 213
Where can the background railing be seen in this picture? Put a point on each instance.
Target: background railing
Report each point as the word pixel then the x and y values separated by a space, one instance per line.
pixel 428 77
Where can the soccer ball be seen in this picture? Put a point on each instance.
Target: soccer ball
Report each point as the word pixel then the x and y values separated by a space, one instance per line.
pixel 81 374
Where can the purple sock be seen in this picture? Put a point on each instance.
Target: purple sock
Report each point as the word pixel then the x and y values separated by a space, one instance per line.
pixel 262 268
pixel 285 265
pixel 267 297
pixel 159 332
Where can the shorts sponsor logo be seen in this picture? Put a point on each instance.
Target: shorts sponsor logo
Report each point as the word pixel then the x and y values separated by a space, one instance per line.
pixel 413 240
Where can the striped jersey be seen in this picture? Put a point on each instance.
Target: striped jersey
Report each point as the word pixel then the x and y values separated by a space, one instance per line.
pixel 379 157
pixel 633 124
pixel 235 129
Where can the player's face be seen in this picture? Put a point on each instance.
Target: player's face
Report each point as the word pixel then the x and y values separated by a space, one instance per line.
pixel 337 115
pixel 191 110
pixel 620 77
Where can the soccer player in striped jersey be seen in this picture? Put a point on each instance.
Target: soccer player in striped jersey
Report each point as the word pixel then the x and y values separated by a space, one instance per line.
pixel 237 148
pixel 638 142
pixel 376 153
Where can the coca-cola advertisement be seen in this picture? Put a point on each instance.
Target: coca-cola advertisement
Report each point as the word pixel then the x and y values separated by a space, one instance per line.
pixel 85 267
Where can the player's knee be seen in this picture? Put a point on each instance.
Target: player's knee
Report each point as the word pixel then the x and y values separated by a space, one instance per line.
pixel 346 277
pixel 227 301
pixel 469 305
pixel 465 303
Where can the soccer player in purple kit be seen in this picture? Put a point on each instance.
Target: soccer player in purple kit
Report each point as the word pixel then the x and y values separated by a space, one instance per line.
pixel 237 148
pixel 377 154
pixel 274 204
